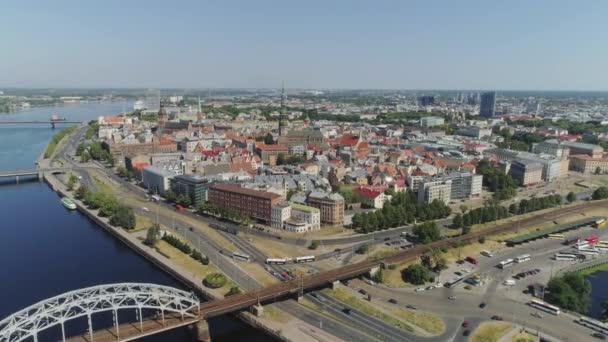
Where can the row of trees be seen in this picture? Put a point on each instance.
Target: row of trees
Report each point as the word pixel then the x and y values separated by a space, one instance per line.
pixel 50 148
pixel 503 185
pixel 185 248
pixel 403 208
pixel 208 208
pixel 120 215
pixel 181 199
pixel 427 232
pixel 94 151
pixel 495 212
pixel 124 173
pixel 289 160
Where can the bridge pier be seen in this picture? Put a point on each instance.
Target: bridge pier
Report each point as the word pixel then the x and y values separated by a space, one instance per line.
pixel 202 331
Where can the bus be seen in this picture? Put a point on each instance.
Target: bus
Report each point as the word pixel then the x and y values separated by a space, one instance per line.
pixel 276 261
pixel 538 304
pixel 593 324
pixel 506 263
pixel 556 236
pixel 589 251
pixel 522 258
pixel 601 245
pixel 240 256
pixel 309 258
pixel 581 244
pixel 565 257
pixel 487 253
pixel 601 223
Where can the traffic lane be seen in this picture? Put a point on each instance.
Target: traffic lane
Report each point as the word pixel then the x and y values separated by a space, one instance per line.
pixel 327 324
pixel 357 320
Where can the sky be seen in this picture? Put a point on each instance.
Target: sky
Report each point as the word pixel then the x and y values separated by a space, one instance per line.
pixel 407 44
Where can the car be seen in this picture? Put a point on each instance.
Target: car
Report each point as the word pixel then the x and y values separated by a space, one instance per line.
pixel 145 209
pixel 458 274
pixel 419 289
pixel 392 301
pixel 452 298
pixel 363 292
pixel 412 307
pixel 338 250
pixel 346 311
pixel 466 332
pixel 430 288
pixel 387 239
pixel 482 305
pixel 465 324
pixel 536 314
pixel 497 318
pixel 599 335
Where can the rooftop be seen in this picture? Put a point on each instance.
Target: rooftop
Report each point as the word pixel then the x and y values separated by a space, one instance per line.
pixel 304 208
pixel 244 191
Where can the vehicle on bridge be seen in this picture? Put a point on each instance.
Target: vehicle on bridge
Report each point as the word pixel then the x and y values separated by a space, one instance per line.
pixel 593 324
pixel 538 304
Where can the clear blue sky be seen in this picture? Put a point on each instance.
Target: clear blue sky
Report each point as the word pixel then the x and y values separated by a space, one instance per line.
pixel 449 44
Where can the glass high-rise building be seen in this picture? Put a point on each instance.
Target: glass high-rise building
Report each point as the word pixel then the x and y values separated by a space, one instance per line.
pixel 487 108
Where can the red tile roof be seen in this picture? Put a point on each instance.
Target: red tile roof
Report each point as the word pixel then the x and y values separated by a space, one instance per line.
pixel 367 193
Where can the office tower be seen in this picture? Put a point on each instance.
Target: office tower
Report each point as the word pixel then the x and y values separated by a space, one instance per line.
pixel 487 108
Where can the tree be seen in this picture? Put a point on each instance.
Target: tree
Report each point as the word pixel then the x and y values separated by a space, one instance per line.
pixel 71 182
pixel 415 274
pixel 427 232
pixel 122 171
pixel 466 230
pixel 314 245
pixel 457 221
pixel 123 217
pixel 598 170
pixel 268 139
pixel 234 290
pixel 362 249
pixel 379 276
pixel 152 235
pixel 514 208
pixel 281 159
pixel 170 196
pixel 571 291
pixel 463 208
pixel 81 192
pixel 600 193
pixel 604 314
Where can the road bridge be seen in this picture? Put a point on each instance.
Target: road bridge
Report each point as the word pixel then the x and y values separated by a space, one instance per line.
pixel 52 122
pixel 36 172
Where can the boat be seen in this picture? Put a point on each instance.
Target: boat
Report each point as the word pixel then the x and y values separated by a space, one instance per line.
pixel 68 203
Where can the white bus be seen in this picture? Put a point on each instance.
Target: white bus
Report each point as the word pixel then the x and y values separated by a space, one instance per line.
pixel 276 261
pixel 487 253
pixel 538 304
pixel 522 258
pixel 556 236
pixel 241 256
pixel 506 263
pixel 589 251
pixel 309 258
pixel 593 324
pixel 565 257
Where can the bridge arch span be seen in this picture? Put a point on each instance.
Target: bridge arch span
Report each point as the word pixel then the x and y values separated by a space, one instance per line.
pixel 86 302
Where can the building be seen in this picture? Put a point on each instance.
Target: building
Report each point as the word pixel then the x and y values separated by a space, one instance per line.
pixel 553 167
pixel 525 171
pixel 551 147
pixel 301 137
pixel 308 214
pixel 431 121
pixel 152 100
pixel 594 151
pixel 426 100
pixel 270 153
pixel 330 205
pixel 435 190
pixel 279 214
pixel 195 187
pixel 255 204
pixel 136 164
pixel 464 185
pixel 371 198
pixel 156 179
pixel 487 108
pixel 585 164
pixel 474 132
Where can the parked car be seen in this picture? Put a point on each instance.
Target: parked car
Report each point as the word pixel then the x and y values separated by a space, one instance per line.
pixel 497 318
pixel 482 305
pixel 430 288
pixel 346 311
pixel 465 324
pixel 412 307
pixel 419 289
pixel 145 209
pixel 392 301
pixel 452 298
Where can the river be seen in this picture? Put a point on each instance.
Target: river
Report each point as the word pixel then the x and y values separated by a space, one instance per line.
pixel 599 292
pixel 47 250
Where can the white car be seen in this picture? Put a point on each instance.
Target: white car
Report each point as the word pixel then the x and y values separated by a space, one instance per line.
pixel 145 209
pixel 430 288
pixel 419 289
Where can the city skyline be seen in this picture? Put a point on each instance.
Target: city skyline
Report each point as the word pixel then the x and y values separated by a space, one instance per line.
pixel 436 45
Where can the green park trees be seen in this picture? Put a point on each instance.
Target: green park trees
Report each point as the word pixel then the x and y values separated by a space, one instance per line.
pixel 600 193
pixel 415 274
pixel 571 291
pixel 152 235
pixel 427 232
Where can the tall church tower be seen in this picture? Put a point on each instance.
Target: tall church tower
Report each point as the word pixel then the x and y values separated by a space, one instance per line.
pixel 163 117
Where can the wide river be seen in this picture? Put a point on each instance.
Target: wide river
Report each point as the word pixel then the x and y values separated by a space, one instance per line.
pixel 46 250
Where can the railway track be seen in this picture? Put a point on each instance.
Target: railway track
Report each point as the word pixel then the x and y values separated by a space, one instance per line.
pixel 290 288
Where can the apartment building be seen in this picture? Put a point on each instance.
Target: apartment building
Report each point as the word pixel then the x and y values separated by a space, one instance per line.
pixel 331 206
pixel 195 187
pixel 432 190
pixel 279 214
pixel 526 172
pixel 585 164
pixel 464 185
pixel 308 214
pixel 255 204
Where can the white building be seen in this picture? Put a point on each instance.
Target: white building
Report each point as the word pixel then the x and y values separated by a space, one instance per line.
pixel 440 190
pixel 464 185
pixel 307 214
pixel 279 214
pixel 431 121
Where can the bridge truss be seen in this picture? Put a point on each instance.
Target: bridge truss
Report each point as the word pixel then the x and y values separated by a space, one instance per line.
pixel 28 322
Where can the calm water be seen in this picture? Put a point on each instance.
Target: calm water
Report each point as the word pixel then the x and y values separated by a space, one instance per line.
pixel 599 292
pixel 46 250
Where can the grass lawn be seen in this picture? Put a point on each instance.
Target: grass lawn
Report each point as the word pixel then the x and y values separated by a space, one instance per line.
pixel 103 186
pixel 491 331
pixel 524 337
pixel 358 304
pixel 275 315
pixel 392 278
pixel 141 223
pixel 424 320
pixel 192 266
pixel 591 270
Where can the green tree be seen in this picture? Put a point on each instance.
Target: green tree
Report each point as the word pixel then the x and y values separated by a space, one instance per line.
pixel 234 290
pixel 81 192
pixel 152 235
pixel 463 208
pixel 123 217
pixel 170 196
pixel 427 232
pixel 268 139
pixel 71 182
pixel 571 291
pixel 457 221
pixel 415 274
pixel 379 276
pixel 364 248
pixel 598 170
pixel 600 193
pixel 466 230
pixel 314 245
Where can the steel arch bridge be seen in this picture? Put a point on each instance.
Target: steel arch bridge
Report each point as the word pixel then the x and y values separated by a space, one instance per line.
pixel 28 322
